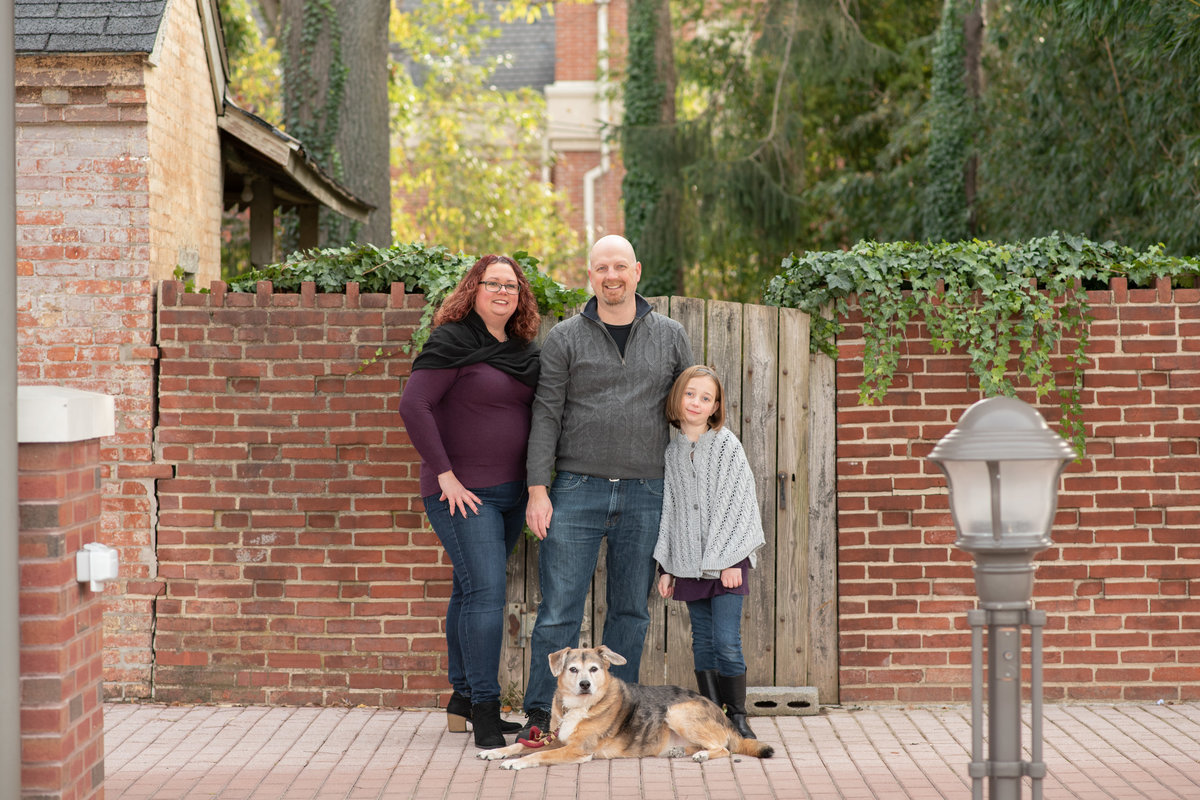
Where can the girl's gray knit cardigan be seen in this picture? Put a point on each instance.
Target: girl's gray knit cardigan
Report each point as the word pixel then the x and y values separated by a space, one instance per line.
pixel 710 517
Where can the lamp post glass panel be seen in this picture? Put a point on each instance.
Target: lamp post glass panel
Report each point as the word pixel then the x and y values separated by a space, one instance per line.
pixel 1002 464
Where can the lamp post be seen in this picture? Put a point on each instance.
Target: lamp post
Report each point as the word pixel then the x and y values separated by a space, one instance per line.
pixel 1002 465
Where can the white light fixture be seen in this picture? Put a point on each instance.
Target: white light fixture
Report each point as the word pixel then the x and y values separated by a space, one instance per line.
pixel 1002 464
pixel 96 564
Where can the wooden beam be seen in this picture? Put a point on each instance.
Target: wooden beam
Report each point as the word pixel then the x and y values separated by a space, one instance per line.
pixel 262 222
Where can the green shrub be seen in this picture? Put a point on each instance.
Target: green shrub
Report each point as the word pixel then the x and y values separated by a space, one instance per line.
pixel 432 271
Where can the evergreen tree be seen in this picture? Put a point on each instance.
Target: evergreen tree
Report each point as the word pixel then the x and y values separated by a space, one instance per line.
pixel 1092 125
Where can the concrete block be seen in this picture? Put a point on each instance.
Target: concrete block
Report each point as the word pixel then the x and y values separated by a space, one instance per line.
pixel 782 701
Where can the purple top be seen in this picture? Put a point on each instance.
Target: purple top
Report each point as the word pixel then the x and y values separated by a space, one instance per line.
pixel 687 589
pixel 473 419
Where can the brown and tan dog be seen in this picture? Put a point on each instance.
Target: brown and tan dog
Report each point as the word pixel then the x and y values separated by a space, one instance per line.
pixel 597 715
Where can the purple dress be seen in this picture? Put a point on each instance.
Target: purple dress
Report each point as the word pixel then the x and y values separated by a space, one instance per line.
pixel 688 589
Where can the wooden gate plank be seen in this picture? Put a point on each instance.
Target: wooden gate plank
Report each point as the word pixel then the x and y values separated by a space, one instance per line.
pixel 512 651
pixel 725 356
pixel 792 567
pixel 759 431
pixel 675 635
pixel 822 527
pixel 689 312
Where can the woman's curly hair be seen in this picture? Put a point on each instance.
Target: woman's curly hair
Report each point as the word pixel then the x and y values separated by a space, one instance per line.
pixel 524 322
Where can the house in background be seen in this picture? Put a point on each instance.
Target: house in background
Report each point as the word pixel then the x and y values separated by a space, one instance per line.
pixel 589 43
pixel 565 57
pixel 127 151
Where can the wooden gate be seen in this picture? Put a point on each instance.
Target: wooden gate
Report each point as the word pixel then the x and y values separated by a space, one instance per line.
pixel 780 402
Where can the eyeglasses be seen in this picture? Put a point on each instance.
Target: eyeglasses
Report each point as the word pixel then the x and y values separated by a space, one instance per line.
pixel 493 287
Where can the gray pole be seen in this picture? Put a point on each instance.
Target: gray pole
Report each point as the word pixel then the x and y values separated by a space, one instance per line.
pixel 1004 705
pixel 10 575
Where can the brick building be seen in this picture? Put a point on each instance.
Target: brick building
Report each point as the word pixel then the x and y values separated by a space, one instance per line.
pixel 126 153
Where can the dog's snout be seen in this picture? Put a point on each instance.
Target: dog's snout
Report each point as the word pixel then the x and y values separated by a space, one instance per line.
pixel 585 684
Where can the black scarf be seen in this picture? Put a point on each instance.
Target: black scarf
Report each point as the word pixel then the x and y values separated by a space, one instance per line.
pixel 468 341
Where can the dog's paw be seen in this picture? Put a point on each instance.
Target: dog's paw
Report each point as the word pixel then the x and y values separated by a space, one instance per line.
pixel 700 757
pixel 514 763
pixel 675 752
pixel 489 755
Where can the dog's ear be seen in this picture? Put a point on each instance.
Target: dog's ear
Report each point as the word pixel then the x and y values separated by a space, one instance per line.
pixel 556 661
pixel 611 656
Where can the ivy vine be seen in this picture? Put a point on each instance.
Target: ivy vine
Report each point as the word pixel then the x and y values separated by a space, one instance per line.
pixel 995 302
pixel 433 271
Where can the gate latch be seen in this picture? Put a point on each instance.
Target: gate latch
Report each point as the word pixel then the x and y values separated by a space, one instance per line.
pixel 519 624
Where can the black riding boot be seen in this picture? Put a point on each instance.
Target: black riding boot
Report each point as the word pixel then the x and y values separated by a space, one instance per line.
pixel 706 680
pixel 733 694
pixel 485 719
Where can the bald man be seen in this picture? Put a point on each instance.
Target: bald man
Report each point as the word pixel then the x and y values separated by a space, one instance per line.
pixel 599 427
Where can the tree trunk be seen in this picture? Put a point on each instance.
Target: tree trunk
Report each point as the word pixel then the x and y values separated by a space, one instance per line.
pixel 973 44
pixel 664 62
pixel 651 187
pixel 335 102
pixel 363 137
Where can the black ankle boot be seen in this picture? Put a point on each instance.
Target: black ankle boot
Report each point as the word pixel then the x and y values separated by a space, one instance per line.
pixel 733 694
pixel 706 680
pixel 485 719
pixel 458 714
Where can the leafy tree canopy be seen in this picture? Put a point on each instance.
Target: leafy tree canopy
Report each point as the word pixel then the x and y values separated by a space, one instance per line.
pixel 468 157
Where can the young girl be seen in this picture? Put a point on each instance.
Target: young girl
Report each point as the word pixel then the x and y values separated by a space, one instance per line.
pixel 709 533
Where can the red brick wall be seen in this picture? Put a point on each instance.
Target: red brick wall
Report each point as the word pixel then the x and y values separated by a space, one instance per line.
pixel 1121 582
pixel 298 568
pixel 62 717
pixel 290 538
pixel 575 40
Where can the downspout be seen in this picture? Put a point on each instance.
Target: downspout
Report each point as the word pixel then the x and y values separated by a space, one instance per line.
pixel 10 598
pixel 595 173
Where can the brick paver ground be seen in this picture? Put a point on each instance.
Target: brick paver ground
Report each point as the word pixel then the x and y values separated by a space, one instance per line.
pixel 259 753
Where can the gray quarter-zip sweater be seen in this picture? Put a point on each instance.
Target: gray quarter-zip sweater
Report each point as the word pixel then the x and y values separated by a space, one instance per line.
pixel 596 413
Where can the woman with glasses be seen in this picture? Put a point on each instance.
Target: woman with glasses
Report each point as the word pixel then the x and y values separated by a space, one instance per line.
pixel 466 407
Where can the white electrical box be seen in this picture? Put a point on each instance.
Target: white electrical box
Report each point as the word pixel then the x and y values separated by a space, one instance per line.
pixel 96 563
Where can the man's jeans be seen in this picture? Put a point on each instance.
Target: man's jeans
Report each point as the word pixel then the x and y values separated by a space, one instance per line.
pixel 478 545
pixel 586 510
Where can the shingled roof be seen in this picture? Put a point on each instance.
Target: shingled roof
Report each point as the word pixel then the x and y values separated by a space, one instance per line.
pixel 530 47
pixel 87 26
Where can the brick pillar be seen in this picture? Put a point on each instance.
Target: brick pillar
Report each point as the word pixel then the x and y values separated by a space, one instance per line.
pixel 62 667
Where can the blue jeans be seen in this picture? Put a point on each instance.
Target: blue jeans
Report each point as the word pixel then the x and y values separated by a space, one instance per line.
pixel 478 546
pixel 717 634
pixel 587 510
